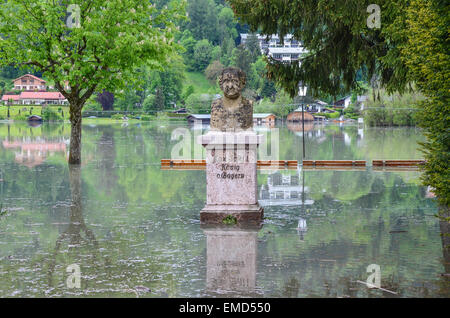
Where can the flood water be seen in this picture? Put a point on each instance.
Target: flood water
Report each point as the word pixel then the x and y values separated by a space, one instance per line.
pixel 134 231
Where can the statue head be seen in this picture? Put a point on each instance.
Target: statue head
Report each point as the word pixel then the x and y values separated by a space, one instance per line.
pixel 232 81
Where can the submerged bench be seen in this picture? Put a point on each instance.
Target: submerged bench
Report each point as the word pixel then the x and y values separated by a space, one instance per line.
pixel 398 163
pixel 187 163
pixel 334 163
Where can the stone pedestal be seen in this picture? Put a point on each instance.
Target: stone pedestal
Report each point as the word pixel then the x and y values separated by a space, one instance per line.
pixel 231 185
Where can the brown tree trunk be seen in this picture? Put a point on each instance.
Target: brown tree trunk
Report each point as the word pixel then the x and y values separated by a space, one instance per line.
pixel 75 135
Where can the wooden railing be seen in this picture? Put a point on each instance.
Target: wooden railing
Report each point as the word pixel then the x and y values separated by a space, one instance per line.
pixel 398 163
pixel 200 164
pixel 334 163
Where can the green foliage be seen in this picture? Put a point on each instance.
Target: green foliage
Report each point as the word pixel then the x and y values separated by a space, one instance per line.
pixel 328 115
pixel 146 118
pixel 21 117
pixel 189 90
pixel 252 45
pixel 242 58
pixel 49 114
pixel 352 112
pixel 202 55
pixel 213 71
pixel 117 117
pixel 199 103
pixel 281 106
pixel 101 53
pixel 426 52
pixel 229 220
pixel 337 38
pixel 268 89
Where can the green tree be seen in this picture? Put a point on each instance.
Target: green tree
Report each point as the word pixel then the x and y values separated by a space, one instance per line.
pixel 337 38
pixel 226 25
pixel 411 46
pixel 202 55
pixel 203 20
pixel 160 99
pixel 426 53
pixel 94 50
pixel 213 71
pixel 241 58
pixel 188 42
pixel 252 44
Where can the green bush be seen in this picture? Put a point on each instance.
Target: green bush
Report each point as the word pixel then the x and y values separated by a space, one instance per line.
pixel 175 115
pixel 49 114
pixel 117 116
pixel 146 118
pixel 329 115
pixel 21 117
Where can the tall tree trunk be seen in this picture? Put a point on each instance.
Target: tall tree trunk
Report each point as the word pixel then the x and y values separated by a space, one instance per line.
pixel 75 135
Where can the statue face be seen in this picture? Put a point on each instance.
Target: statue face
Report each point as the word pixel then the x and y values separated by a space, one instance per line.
pixel 231 86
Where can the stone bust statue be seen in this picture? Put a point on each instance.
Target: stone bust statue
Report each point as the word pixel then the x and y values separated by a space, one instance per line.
pixel 232 112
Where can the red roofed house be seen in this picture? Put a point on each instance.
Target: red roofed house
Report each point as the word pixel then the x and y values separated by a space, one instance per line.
pixel 13 99
pixel 42 98
pixel 33 93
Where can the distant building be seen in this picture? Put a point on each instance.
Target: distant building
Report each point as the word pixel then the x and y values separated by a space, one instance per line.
pixel 347 100
pixel 199 118
pixel 29 82
pixel 264 118
pixel 296 116
pixel 282 189
pixel 35 98
pixel 34 152
pixel 343 102
pixel 33 92
pixel 10 99
pixel 287 52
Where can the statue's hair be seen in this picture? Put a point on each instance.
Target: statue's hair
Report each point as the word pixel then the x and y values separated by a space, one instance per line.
pixel 236 72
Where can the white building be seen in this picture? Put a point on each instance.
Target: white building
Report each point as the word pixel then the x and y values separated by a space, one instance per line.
pixel 290 50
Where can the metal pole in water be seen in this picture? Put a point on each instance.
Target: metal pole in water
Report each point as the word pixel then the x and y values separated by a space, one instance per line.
pixel 303 132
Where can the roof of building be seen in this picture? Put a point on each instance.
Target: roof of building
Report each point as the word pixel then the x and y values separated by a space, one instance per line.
pixel 281 50
pixel 8 97
pixel 200 116
pixel 41 95
pixel 262 115
pixel 273 36
pixel 35 77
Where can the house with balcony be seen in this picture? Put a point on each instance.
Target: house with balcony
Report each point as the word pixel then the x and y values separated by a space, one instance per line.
pixel 29 82
pixel 290 51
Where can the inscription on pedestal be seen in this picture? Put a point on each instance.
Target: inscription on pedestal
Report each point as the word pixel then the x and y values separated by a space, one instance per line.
pixel 230 171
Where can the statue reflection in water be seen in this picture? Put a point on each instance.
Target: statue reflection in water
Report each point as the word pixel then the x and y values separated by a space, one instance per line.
pixel 231 255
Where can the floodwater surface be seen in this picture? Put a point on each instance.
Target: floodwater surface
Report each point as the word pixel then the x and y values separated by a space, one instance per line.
pixel 133 230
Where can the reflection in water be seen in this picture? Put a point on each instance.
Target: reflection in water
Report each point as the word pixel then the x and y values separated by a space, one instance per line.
pixel 231 260
pixel 73 233
pixel 147 234
pixel 33 151
pixel 444 225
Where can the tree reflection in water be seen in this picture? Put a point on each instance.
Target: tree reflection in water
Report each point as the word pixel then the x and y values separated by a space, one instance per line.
pixel 77 226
